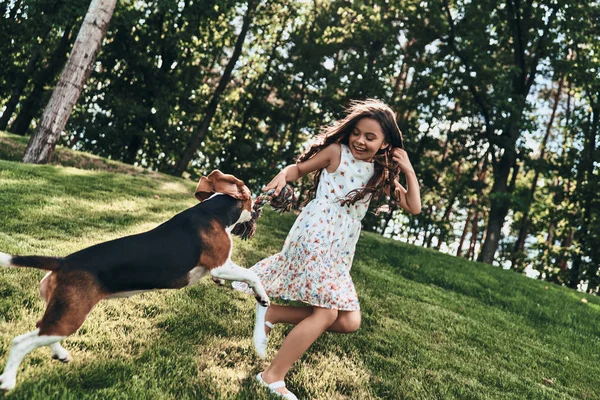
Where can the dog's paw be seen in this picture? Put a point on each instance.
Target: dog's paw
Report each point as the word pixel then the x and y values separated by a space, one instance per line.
pixel 265 302
pixel 219 281
pixel 7 384
pixel 60 353
pixel 62 359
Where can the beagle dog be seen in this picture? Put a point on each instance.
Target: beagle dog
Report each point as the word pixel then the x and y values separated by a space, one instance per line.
pixel 173 255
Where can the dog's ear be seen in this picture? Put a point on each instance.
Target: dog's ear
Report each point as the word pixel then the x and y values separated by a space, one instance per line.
pixel 218 182
pixel 204 189
pixel 230 185
pixel 243 193
pixel 206 185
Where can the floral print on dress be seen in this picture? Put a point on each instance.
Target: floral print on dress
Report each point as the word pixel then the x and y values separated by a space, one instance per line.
pixel 314 263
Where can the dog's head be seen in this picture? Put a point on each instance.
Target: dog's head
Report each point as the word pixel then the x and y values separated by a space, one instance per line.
pixel 218 182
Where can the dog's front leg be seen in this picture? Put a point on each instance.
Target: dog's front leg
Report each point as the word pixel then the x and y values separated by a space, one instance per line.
pixel 60 353
pixel 233 272
pixel 219 281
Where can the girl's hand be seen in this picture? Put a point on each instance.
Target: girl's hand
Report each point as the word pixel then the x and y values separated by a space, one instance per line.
pixel 400 157
pixel 276 183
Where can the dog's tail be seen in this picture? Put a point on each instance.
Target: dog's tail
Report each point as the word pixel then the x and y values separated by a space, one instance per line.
pixel 39 262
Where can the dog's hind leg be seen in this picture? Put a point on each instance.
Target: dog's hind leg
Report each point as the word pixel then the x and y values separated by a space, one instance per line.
pixel 68 307
pixel 62 319
pixel 47 286
pixel 232 272
pixel 21 346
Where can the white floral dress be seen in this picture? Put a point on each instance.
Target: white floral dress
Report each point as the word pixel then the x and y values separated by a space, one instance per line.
pixel 314 264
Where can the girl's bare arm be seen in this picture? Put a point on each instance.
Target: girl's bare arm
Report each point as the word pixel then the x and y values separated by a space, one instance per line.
pixel 409 199
pixel 323 159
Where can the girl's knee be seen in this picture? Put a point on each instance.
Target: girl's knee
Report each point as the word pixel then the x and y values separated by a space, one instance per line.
pixel 327 315
pixel 350 322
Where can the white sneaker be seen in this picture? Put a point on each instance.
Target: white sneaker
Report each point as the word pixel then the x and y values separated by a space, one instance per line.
pixel 276 385
pixel 260 337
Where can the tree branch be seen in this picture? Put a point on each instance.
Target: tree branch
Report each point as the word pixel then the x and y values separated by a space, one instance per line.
pixel 476 95
pixel 519 49
pixel 540 49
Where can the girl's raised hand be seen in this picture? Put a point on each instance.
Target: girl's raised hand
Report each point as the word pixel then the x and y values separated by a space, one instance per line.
pixel 276 183
pixel 400 157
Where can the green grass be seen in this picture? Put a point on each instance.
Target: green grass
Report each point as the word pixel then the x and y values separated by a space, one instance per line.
pixel 434 326
pixel 12 148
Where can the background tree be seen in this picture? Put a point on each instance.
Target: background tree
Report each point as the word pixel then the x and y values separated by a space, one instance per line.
pixel 36 38
pixel 498 104
pixel 78 68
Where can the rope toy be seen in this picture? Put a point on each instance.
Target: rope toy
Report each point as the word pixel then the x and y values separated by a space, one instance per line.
pixel 281 203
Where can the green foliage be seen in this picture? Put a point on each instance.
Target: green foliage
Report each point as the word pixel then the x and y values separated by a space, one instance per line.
pixel 30 31
pixel 472 83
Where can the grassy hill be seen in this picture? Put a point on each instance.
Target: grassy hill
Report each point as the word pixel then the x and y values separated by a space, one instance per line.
pixel 13 146
pixel 434 326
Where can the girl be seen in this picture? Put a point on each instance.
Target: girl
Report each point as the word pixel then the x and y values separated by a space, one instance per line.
pixel 358 158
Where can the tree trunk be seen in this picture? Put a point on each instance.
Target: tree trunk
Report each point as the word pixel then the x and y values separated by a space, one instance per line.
pixel 70 85
pixel 567 144
pixel 211 109
pixel 523 231
pixel 588 193
pixel 523 79
pixel 483 237
pixel 426 231
pixel 498 211
pixel 464 234
pixel 474 234
pixel 500 193
pixel 258 92
pixel 291 151
pixel 566 243
pixel 33 102
pixel 400 83
pixel 367 84
pixel 133 147
pixel 431 235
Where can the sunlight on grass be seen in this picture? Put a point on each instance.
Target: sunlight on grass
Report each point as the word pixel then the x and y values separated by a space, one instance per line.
pixel 75 171
pixel 225 363
pixel 333 376
pixel 174 187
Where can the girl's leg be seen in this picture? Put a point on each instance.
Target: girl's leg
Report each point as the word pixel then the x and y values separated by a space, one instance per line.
pixel 298 341
pixel 346 322
pixel 278 314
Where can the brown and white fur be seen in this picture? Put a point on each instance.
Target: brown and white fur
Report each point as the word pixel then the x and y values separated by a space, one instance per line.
pixel 173 255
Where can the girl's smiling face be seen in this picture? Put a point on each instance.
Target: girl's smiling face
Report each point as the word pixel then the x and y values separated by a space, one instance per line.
pixel 366 139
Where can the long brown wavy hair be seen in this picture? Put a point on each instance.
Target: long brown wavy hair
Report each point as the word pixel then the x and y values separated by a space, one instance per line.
pixel 385 169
